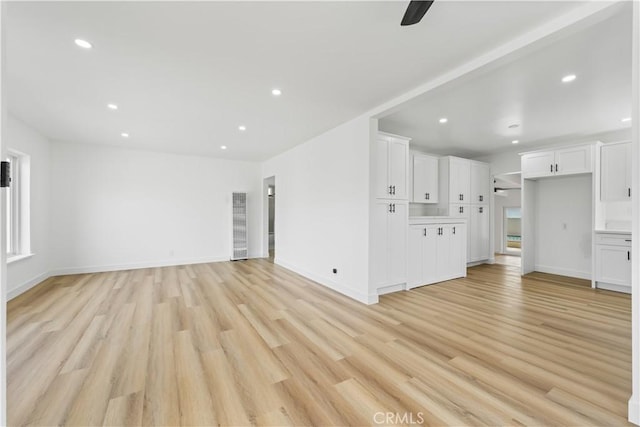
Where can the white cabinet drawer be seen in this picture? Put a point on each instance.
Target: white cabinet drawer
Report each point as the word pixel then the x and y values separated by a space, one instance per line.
pixel 613 239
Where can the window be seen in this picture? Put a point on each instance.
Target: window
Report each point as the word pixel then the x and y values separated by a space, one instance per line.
pixel 17 207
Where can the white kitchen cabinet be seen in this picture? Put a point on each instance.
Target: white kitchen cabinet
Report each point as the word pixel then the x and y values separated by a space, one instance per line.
pixel 391 163
pixel 425 179
pixel 615 172
pixel 389 249
pixel 562 161
pixel 538 164
pixel 479 229
pixel 613 261
pixel 436 252
pixel 455 177
pixel 480 182
pixel 464 186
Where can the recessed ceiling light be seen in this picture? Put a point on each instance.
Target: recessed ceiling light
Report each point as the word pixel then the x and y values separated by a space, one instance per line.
pixel 83 44
pixel 515 141
pixel 443 120
pixel 568 78
pixel 112 106
pixel 242 128
pixel 124 135
pixel 626 119
pixel 276 92
pixel 223 147
pixel 513 126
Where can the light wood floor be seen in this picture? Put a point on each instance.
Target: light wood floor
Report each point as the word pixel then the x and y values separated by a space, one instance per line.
pixel 252 343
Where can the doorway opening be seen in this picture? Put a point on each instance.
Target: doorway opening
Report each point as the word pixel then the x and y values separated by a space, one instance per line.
pixel 270 217
pixel 512 233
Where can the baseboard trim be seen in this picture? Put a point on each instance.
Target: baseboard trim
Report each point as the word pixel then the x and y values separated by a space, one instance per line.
pixel 634 410
pixel 351 293
pixel 134 266
pixel 19 290
pixel 563 272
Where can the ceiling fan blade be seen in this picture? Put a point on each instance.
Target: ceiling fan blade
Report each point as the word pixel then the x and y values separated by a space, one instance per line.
pixel 415 11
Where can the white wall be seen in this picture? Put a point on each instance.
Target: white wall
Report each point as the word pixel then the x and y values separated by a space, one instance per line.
pixel 27 272
pixel 511 200
pixel 117 208
pixel 322 209
pixel 564 201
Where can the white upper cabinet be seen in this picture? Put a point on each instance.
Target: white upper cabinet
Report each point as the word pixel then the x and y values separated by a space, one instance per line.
pixel 615 172
pixel 480 182
pixel 425 179
pixel 459 180
pixel 574 160
pixel 538 164
pixel 391 162
pixel 562 161
pixel 454 180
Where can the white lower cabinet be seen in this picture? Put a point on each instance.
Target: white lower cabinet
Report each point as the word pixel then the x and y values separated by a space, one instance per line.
pixel 389 262
pixel 436 252
pixel 479 229
pixel 613 262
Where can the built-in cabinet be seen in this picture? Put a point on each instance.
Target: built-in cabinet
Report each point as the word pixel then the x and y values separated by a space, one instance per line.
pixel 437 250
pixel 569 231
pixel 392 159
pixel 465 188
pixel 613 261
pixel 615 172
pixel 424 179
pixel 390 212
pixel 390 219
pixel 562 161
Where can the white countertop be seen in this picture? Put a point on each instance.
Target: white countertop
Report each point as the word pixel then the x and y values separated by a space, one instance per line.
pixel 436 220
pixel 601 231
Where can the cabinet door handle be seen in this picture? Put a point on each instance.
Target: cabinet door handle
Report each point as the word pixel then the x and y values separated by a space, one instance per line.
pixel 461 209
pixel 390 187
pixel 480 209
pixel 425 232
pixel 556 167
pixel 627 240
pixel 454 230
pixel 394 189
pixel 551 168
pixel 480 198
pixel 394 207
pixel 426 196
pixel 629 191
pixel 628 255
pixel 390 208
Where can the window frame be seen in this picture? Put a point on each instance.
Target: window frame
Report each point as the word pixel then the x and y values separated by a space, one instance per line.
pixel 18 245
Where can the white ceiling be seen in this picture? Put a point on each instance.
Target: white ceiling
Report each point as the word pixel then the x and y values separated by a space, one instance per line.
pixel 185 75
pixel 528 91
